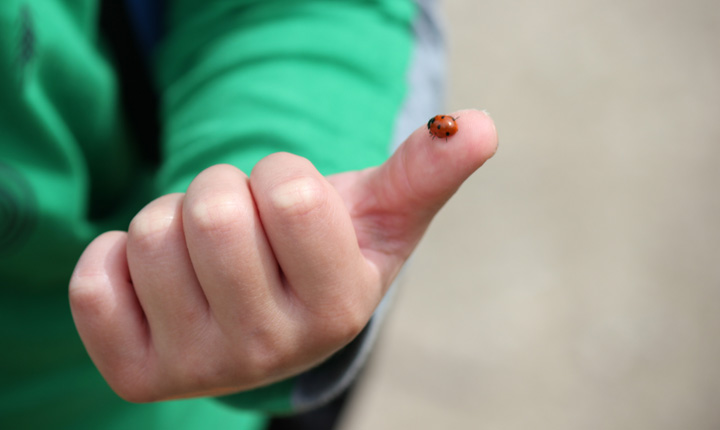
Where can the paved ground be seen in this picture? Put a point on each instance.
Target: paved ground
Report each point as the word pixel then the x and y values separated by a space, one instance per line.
pixel 574 282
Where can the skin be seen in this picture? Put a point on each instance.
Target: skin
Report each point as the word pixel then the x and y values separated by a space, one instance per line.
pixel 244 281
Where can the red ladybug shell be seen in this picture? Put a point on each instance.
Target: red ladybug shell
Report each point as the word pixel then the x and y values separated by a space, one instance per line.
pixel 442 126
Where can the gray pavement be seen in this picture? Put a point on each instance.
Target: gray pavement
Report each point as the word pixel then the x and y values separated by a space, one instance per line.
pixel 573 282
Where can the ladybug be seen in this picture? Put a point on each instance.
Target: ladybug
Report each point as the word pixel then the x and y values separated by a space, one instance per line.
pixel 442 126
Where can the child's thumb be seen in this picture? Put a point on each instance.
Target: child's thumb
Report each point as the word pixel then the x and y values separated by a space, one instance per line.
pixel 397 200
pixel 427 170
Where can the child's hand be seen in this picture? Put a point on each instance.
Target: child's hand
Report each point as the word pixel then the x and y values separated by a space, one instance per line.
pixel 242 281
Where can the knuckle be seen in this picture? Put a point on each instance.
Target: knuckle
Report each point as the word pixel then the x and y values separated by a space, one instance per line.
pixel 298 196
pixel 344 321
pixel 198 372
pixel 215 213
pixel 280 158
pixel 261 365
pixel 267 355
pixel 86 299
pixel 129 383
pixel 153 222
pixel 131 394
pixel 351 324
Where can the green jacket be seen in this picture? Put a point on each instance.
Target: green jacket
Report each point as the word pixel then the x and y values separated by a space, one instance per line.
pixel 234 81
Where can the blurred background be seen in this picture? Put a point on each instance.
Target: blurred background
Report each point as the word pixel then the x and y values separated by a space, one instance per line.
pixel 574 281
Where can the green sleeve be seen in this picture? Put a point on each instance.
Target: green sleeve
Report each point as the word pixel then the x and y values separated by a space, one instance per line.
pixel 241 80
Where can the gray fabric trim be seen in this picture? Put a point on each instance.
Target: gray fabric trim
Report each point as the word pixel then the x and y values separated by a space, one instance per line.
pixel 425 98
pixel 426 76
